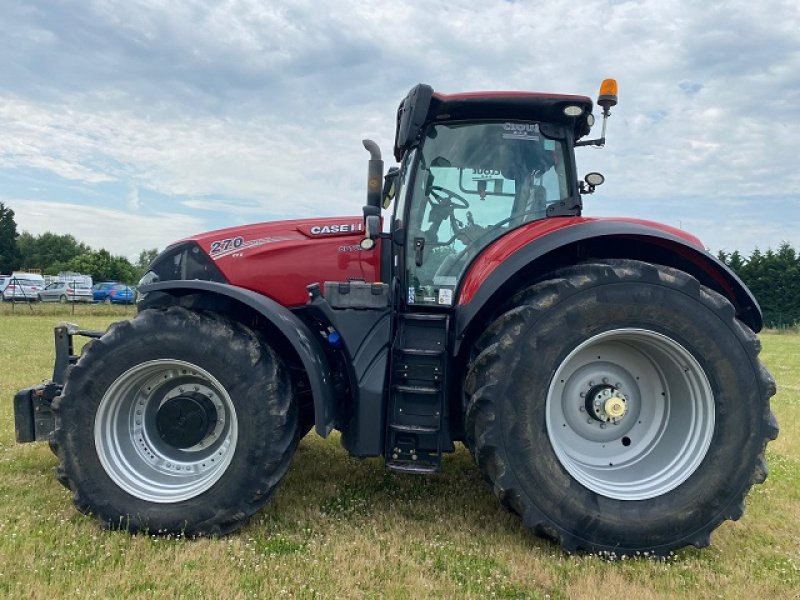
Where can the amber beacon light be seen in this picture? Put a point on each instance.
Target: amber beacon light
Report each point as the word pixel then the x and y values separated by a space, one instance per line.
pixel 608 94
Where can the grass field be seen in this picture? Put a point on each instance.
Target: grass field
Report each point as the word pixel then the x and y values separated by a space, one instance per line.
pixel 345 528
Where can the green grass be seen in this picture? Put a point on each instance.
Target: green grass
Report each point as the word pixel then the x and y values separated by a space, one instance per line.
pixel 339 527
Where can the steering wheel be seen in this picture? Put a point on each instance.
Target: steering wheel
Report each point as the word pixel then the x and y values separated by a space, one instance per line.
pixel 441 196
pixel 450 267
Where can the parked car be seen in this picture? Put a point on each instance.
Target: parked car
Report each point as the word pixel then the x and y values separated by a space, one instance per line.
pixel 121 294
pixel 23 286
pixel 71 277
pixel 62 291
pixel 100 291
pixel 4 280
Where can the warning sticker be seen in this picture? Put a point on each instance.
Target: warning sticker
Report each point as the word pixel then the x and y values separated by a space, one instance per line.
pixel 445 296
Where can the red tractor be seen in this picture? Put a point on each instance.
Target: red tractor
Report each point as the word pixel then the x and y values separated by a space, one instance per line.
pixel 602 372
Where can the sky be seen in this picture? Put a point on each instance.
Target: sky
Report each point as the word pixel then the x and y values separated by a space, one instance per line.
pixel 135 123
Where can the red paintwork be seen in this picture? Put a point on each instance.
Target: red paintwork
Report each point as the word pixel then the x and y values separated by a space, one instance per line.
pixel 531 95
pixel 504 247
pixel 279 259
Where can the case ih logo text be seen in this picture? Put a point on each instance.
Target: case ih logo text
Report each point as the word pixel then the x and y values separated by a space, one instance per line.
pixel 344 228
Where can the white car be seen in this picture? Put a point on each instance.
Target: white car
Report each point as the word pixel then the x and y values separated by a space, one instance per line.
pixel 23 286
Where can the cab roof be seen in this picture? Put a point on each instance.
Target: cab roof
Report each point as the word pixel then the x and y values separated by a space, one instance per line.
pixel 422 106
pixel 505 105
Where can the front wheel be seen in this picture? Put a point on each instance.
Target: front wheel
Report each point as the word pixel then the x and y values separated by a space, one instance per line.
pixel 175 421
pixel 620 407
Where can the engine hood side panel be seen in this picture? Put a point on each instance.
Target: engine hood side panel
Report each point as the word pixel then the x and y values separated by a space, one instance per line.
pixel 280 259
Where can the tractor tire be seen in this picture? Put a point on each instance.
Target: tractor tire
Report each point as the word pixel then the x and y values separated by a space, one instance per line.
pixel 175 422
pixel 620 408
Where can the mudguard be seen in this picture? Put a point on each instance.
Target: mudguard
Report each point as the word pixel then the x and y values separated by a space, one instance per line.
pixel 530 252
pixel 295 332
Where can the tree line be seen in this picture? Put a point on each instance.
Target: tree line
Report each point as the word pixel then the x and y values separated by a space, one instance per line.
pixel 772 276
pixel 53 253
pixel 774 279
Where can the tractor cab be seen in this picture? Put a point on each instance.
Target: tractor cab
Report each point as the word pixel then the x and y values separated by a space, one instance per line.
pixel 473 167
pixel 469 183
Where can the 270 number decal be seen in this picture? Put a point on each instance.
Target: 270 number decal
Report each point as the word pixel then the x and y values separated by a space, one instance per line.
pixel 219 246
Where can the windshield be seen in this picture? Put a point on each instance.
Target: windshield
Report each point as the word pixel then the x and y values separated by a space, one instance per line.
pixel 474 182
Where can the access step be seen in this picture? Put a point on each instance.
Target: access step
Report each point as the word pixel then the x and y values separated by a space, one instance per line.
pixel 420 352
pixel 412 467
pixel 415 429
pixel 418 383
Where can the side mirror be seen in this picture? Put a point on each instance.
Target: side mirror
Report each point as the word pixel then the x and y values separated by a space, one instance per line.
pixel 594 179
pixel 591 181
pixel 390 186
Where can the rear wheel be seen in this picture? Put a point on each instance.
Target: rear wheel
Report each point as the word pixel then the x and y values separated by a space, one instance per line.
pixel 175 422
pixel 62 299
pixel 620 408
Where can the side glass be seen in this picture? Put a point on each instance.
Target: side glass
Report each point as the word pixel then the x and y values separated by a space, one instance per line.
pixel 402 190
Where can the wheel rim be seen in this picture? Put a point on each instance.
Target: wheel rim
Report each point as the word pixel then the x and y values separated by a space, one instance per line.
pixel 630 414
pixel 136 446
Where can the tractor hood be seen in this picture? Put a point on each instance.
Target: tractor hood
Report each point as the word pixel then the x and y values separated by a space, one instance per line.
pixel 246 239
pixel 277 259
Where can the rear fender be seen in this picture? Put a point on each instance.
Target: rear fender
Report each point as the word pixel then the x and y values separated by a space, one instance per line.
pixel 498 272
pixel 294 331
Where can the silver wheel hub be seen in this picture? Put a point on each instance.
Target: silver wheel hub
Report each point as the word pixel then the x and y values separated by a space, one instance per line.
pixel 165 431
pixel 607 404
pixel 630 414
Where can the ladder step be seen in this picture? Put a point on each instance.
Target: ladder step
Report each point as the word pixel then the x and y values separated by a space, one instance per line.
pixel 420 352
pixel 411 467
pixel 414 428
pixel 424 317
pixel 416 389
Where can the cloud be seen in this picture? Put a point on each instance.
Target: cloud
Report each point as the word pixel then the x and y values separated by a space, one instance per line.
pixel 134 202
pixel 118 231
pixel 252 110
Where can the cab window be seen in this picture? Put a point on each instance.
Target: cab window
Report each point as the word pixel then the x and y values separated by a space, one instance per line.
pixel 473 183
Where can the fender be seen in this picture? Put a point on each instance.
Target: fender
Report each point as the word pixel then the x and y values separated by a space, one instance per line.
pixel 292 328
pixel 528 253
